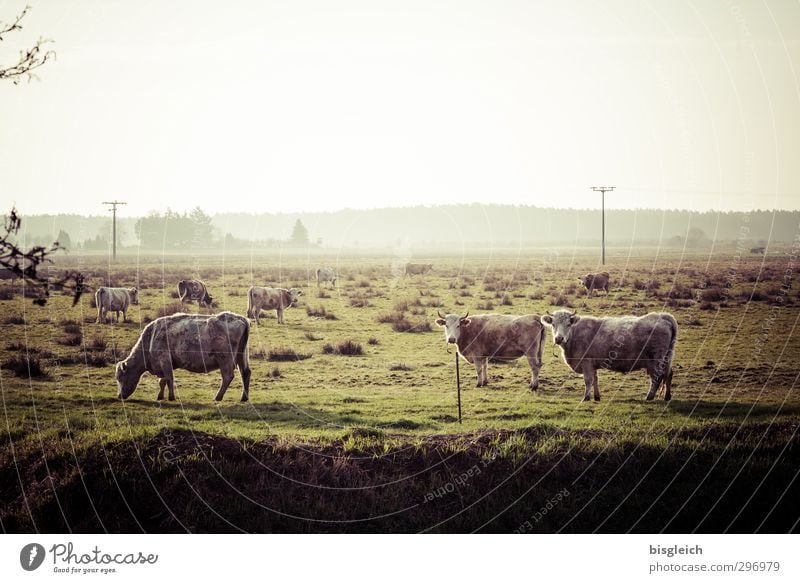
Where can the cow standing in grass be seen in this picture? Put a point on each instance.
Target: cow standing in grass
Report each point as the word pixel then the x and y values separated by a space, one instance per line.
pixel 595 281
pixel 498 336
pixel 271 298
pixel 193 342
pixel 622 344
pixel 418 268
pixel 194 290
pixel 115 299
pixel 326 274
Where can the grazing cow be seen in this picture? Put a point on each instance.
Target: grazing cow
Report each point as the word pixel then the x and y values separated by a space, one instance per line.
pixel 193 342
pixel 622 344
pixel 271 298
pixel 595 281
pixel 498 336
pixel 194 290
pixel 758 250
pixel 115 299
pixel 418 268
pixel 326 274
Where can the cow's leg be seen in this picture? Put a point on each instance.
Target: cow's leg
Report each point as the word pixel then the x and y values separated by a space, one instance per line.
pixel 668 386
pixel 478 370
pixel 588 380
pixel 161 384
pixel 245 371
pixel 280 315
pixel 485 370
pixel 124 315
pixel 227 377
pixel 536 364
pixel 596 386
pixel 171 387
pixel 655 382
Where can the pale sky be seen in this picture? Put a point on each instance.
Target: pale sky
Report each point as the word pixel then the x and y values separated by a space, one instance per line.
pixel 294 105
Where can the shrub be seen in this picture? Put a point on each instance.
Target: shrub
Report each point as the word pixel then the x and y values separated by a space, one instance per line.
pixel 373 341
pixel 390 317
pixel 401 366
pixel 92 301
pixel 561 300
pixel 174 294
pixel 506 301
pixel 285 353
pixel 311 336
pixel 72 328
pixel 485 306
pixel 360 302
pixel 344 348
pixel 535 295
pixel 258 353
pixel 168 310
pixel 322 294
pixel 404 325
pixel 98 343
pixel 6 293
pixel 275 373
pixel 680 292
pixel 25 366
pixel 14 320
pixel 72 340
pixel 320 312
pixel 706 306
pixel 97 360
pixel 713 294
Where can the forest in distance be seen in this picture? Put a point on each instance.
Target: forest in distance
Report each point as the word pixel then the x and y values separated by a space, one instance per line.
pixel 442 227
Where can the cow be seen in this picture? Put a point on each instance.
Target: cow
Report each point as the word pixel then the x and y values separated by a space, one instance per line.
pixel 595 281
pixel 271 298
pixel 498 336
pixel 758 250
pixel 418 268
pixel 621 344
pixel 326 274
pixel 194 290
pixel 115 299
pixel 193 342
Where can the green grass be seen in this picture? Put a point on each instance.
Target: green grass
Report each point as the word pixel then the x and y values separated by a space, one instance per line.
pixel 388 416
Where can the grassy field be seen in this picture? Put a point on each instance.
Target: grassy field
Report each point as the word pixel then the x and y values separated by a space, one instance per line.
pixel 367 442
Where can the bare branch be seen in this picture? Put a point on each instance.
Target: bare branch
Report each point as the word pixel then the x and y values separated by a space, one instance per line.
pixel 30 59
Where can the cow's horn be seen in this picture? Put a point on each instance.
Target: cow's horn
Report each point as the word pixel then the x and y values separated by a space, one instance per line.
pixel 575 311
pixel 548 312
pixel 440 314
pixel 464 317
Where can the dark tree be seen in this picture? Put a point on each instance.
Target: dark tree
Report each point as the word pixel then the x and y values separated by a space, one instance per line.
pixel 30 59
pixel 299 234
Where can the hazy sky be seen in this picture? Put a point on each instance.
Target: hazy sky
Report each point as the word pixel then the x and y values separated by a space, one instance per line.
pixel 318 105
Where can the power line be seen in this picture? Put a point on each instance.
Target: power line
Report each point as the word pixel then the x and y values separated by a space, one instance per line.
pixel 114 204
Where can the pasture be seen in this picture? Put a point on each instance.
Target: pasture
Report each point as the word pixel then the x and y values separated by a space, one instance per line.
pixel 351 424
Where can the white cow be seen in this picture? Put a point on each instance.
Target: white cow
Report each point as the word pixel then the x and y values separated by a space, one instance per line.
pixel 271 298
pixel 115 299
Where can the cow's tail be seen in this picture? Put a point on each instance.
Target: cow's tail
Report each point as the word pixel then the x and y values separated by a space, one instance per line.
pixel 542 335
pixel 250 303
pixel 667 377
pixel 181 289
pixel 317 274
pixel 98 299
pixel 243 359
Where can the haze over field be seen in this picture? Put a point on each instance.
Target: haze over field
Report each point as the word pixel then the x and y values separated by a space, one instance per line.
pixel 315 106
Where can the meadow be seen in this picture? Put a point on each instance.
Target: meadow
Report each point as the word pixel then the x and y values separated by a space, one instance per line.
pixel 352 423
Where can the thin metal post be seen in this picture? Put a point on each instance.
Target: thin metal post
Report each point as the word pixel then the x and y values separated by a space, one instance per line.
pixel 458 388
pixel 114 225
pixel 603 190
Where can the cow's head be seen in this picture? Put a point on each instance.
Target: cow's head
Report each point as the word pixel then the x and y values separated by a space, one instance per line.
pixel 560 322
pixel 134 293
pixel 452 324
pixel 586 279
pixel 208 301
pixel 294 295
pixel 127 379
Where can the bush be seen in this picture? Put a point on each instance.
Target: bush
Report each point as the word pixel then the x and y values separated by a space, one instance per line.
pixel 14 320
pixel 706 306
pixel 311 336
pixel 485 306
pixel 506 301
pixel 285 353
pixel 680 292
pixel 321 313
pixel 344 348
pixel 98 343
pixel 97 360
pixel 360 302
pixel 25 367
pixel 713 294
pixel 72 328
pixel 6 293
pixel 390 317
pixel 404 325
pixel 561 300
pixel 401 366
pixel 169 310
pixel 72 340
pixel 373 341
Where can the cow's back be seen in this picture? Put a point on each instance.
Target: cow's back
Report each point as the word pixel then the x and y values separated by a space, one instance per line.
pixel 500 335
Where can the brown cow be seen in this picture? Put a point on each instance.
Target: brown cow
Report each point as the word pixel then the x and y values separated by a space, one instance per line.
pixel 194 290
pixel 622 344
pixel 271 298
pixel 498 336
pixel 595 281
pixel 193 342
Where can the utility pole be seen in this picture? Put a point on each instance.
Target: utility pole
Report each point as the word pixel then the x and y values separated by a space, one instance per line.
pixel 114 204
pixel 603 190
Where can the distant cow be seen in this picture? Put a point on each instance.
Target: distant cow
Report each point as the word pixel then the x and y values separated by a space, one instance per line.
pixel 193 342
pixel 418 268
pixel 497 336
pixel 115 299
pixel 270 298
pixel 326 274
pixel 595 281
pixel 758 250
pixel 622 344
pixel 194 290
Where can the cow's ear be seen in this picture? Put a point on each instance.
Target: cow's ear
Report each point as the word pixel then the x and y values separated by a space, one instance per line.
pixel 574 318
pixel 466 321
pixel 547 319
pixel 440 322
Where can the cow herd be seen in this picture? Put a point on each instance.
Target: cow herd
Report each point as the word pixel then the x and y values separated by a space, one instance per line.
pixel 208 342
